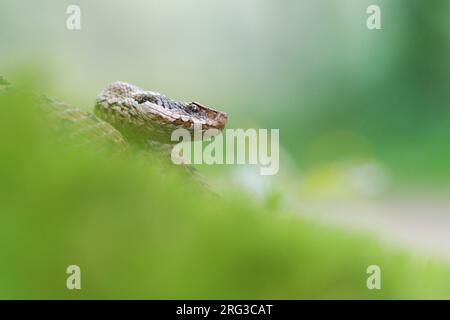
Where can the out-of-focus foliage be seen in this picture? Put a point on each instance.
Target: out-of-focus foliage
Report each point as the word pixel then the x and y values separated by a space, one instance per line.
pixel 137 234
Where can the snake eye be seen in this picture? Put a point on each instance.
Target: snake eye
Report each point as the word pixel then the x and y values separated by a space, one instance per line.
pixel 193 107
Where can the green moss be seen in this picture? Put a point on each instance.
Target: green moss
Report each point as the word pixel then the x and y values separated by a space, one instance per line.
pixel 138 234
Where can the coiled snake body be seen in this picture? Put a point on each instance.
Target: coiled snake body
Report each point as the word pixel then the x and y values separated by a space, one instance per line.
pixel 127 117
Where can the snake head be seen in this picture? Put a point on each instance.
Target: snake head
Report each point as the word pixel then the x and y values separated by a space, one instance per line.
pixel 211 117
pixel 151 116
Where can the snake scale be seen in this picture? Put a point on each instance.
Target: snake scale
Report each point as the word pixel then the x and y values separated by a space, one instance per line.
pixel 128 118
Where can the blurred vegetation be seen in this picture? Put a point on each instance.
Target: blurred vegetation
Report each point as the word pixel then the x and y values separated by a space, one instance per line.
pixel 393 106
pixel 137 235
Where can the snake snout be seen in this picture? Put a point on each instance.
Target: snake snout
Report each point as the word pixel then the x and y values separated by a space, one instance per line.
pixel 221 119
pixel 216 119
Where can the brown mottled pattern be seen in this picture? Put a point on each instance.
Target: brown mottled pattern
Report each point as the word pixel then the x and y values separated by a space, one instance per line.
pixel 146 116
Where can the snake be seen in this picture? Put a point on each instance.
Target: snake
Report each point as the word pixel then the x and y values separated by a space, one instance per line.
pixel 126 118
pixel 147 117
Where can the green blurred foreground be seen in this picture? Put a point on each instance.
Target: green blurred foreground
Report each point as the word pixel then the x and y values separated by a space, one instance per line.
pixel 136 234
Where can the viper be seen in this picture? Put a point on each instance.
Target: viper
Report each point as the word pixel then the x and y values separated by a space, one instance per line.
pixel 126 118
